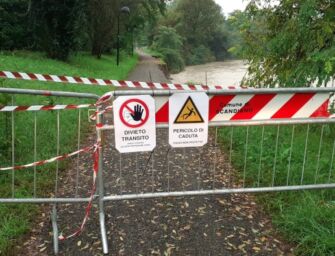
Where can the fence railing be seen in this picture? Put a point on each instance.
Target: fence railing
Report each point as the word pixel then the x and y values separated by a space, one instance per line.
pixel 269 148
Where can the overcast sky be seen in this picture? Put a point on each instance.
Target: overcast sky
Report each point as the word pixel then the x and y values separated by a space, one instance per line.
pixel 230 5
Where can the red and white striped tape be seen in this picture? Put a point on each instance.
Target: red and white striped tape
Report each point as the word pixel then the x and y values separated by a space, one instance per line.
pixel 258 106
pixel 42 107
pixel 105 82
pixel 48 161
pixel 96 154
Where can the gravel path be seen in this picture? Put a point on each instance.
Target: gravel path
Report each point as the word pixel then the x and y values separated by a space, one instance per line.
pixel 202 225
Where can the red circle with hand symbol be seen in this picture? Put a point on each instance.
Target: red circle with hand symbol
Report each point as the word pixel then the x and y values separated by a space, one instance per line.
pixel 134 113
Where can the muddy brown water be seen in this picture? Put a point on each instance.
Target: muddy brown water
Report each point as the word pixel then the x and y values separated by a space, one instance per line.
pixel 225 73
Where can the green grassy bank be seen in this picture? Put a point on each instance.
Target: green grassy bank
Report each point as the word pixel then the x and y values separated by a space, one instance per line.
pixel 16 220
pixel 304 218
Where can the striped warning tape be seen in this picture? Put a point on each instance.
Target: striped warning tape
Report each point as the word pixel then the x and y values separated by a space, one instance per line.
pixel 105 82
pixel 96 151
pixel 42 107
pixel 77 232
pixel 48 161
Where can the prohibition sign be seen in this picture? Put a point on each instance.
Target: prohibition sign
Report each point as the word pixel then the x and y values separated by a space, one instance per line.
pixel 128 108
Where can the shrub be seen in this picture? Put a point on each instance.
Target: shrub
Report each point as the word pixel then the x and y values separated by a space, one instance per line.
pixel 169 44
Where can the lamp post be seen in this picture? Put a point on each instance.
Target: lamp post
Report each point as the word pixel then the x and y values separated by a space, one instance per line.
pixel 124 9
pixel 133 27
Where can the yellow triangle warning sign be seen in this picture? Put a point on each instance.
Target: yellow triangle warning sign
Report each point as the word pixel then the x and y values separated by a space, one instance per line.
pixel 189 113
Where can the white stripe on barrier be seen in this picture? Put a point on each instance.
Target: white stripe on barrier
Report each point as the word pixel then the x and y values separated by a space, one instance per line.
pixel 40 77
pixel 232 107
pixel 55 79
pixel 70 80
pixel 312 105
pixel 273 106
pixel 25 76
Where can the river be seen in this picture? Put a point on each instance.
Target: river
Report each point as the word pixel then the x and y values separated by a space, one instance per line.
pixel 226 73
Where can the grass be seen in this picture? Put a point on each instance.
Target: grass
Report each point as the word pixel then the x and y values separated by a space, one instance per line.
pixel 16 220
pixel 305 218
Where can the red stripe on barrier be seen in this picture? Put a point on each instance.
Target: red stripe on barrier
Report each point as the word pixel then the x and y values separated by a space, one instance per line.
pixel 165 86
pixel 293 105
pixel 253 106
pixel 2 74
pixel 137 84
pixel 192 87
pixel 217 103
pixel 322 111
pixel 123 83
pixel 63 78
pixel 71 106
pixel 17 75
pixel 162 115
pixel 109 82
pixel 151 85
pixel 178 87
pixel 32 76
pixel 47 107
pixel 48 77
pixel 21 108
pixel 93 81
pixel 78 79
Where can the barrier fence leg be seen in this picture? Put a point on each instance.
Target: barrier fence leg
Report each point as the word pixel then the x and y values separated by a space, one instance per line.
pixel 101 191
pixel 54 228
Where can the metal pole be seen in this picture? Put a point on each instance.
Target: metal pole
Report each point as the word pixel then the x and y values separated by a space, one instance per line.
pixel 132 41
pixel 118 41
pixel 101 188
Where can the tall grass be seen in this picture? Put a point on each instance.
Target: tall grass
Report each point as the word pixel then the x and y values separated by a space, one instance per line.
pixel 306 218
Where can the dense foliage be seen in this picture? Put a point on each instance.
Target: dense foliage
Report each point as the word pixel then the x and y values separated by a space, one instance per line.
pixel 15 32
pixel 183 31
pixel 290 44
pixel 200 27
pixel 169 44
pixel 61 27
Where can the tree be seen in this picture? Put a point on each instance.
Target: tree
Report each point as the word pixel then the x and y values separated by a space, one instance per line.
pixel 291 43
pixel 169 44
pixel 15 32
pixel 102 24
pixel 55 25
pixel 103 16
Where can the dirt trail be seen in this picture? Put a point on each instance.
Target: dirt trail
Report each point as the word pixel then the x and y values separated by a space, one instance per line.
pixel 203 225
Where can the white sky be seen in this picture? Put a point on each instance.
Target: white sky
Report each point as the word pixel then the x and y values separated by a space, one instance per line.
pixel 230 5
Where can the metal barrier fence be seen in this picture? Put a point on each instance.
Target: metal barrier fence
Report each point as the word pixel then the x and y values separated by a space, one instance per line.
pixel 36 134
pixel 241 156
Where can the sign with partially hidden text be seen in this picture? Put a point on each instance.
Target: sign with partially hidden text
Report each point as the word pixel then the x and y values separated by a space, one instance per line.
pixel 134 123
pixel 188 119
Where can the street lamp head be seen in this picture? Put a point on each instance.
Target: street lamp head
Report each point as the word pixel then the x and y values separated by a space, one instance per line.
pixel 125 9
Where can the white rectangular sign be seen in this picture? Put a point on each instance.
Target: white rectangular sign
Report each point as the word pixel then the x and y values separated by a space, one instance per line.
pixel 188 119
pixel 134 123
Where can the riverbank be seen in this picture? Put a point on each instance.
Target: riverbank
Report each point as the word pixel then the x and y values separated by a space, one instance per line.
pixel 226 73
